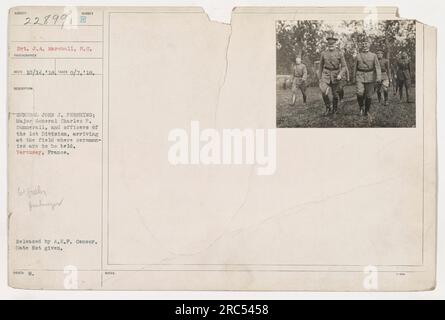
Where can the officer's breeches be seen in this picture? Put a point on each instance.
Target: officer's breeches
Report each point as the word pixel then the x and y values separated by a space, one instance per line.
pixel 364 95
pixel 403 84
pixel 365 90
pixel 333 86
pixel 301 85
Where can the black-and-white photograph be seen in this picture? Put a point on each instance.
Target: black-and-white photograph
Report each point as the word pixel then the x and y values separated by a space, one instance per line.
pixel 346 74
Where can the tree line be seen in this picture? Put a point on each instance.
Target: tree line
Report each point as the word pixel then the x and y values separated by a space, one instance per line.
pixel 307 39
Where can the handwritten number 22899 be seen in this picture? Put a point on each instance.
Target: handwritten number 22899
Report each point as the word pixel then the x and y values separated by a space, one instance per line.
pixel 51 19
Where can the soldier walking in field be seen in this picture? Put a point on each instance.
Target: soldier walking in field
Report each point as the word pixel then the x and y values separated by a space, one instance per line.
pixel 383 86
pixel 367 73
pixel 299 77
pixel 404 74
pixel 342 83
pixel 332 68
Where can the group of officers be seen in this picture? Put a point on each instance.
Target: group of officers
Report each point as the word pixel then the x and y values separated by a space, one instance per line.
pixel 371 73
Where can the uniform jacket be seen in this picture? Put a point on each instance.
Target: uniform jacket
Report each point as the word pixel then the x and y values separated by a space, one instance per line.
pixel 367 68
pixel 332 64
pixel 386 68
pixel 300 73
pixel 404 69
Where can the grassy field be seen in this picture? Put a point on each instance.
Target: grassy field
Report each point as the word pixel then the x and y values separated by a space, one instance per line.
pixel 396 114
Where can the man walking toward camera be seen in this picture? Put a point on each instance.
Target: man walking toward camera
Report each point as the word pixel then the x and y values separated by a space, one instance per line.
pixel 367 73
pixel 404 74
pixel 299 77
pixel 332 68
pixel 383 86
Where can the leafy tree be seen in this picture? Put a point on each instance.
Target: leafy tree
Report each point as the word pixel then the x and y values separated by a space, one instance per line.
pixel 306 39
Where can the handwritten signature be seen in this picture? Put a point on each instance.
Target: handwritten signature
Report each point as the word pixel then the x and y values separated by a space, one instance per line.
pixel 31 192
pixel 37 198
pixel 41 204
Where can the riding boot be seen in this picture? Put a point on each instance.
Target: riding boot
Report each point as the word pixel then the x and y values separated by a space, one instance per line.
pixel 334 105
pixel 385 94
pixel 367 105
pixel 327 103
pixel 360 103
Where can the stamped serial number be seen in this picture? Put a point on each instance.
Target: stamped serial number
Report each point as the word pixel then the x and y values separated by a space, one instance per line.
pixel 242 309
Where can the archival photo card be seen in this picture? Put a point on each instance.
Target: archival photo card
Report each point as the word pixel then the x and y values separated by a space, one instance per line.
pixel 152 148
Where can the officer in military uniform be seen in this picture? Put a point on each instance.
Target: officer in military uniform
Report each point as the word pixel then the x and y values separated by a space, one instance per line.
pixel 299 77
pixel 404 74
pixel 342 83
pixel 332 68
pixel 383 86
pixel 366 72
